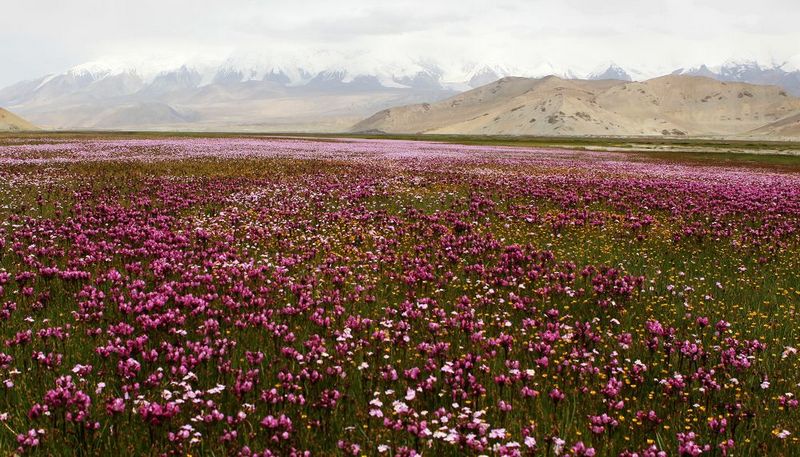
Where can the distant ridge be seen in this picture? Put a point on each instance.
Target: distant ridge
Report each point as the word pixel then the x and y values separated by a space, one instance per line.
pixel 10 122
pixel 674 105
pixel 314 91
pixel 783 75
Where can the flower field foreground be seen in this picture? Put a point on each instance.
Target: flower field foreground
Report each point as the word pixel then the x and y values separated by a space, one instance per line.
pixel 285 297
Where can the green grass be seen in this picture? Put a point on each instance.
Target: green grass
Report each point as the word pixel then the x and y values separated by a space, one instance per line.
pixel 297 215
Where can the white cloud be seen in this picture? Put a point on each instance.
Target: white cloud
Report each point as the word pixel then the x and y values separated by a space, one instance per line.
pixel 51 35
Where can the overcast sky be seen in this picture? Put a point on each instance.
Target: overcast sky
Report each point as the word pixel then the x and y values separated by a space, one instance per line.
pixel 44 36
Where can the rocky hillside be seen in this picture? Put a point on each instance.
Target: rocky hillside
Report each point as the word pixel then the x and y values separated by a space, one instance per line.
pixel 674 105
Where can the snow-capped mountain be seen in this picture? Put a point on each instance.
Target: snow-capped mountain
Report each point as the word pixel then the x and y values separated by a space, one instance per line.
pixel 612 71
pixel 283 68
pixel 244 88
pixel 785 75
pixel 291 87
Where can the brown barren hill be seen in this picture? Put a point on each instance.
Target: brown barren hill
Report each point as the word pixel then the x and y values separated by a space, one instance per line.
pixel 788 128
pixel 670 106
pixel 10 122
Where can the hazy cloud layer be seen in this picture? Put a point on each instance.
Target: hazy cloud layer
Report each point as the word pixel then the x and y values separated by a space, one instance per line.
pixel 50 35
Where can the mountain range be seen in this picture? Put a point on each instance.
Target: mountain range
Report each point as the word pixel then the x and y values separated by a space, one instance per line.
pixel 673 105
pixel 786 76
pixel 317 92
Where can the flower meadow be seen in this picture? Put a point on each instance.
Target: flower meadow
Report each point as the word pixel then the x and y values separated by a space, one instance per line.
pixel 299 297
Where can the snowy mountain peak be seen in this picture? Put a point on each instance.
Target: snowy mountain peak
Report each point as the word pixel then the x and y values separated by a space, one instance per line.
pixel 611 71
pixel 749 71
pixel 739 69
pixel 146 67
pixel 702 70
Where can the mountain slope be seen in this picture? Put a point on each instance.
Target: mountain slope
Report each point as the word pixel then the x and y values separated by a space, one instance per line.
pixel 788 127
pixel 10 122
pixel 669 105
pixel 510 105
